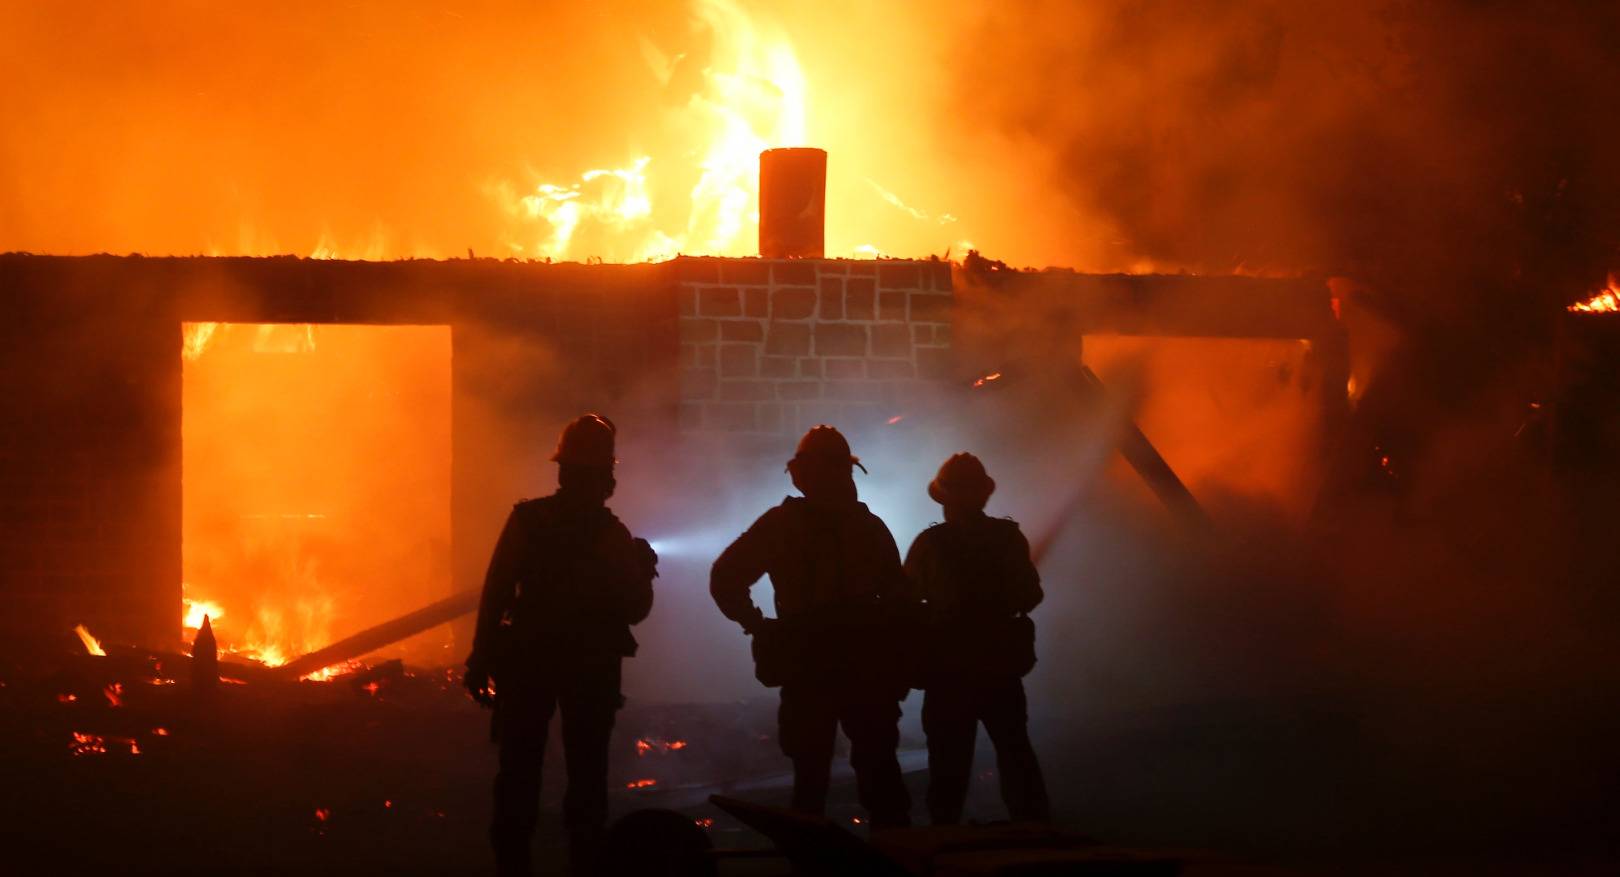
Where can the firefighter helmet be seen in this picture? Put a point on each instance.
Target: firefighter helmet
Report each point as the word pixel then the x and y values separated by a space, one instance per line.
pixel 586 441
pixel 824 443
pixel 962 481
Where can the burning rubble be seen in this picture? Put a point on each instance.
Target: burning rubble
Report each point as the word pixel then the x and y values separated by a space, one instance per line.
pixel 1604 301
pixel 1362 362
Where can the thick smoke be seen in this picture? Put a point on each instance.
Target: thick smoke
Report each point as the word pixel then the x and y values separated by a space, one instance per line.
pixel 1456 157
pixel 1446 608
pixel 1432 638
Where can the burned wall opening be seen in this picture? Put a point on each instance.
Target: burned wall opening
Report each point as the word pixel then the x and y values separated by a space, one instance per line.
pixel 315 482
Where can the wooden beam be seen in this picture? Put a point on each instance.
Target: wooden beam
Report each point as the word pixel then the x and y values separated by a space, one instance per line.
pixel 387 633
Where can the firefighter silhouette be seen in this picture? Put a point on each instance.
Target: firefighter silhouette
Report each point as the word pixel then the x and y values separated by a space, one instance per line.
pixel 833 645
pixel 564 586
pixel 977 580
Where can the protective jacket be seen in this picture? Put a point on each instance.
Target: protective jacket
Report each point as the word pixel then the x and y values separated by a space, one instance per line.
pixel 564 585
pixel 818 557
pixel 977 581
pixel 841 594
pixel 837 648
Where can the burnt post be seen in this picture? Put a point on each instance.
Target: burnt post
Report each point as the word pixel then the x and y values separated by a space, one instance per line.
pixel 204 661
pixel 792 203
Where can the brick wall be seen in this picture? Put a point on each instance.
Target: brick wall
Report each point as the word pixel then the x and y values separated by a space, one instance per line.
pixel 774 347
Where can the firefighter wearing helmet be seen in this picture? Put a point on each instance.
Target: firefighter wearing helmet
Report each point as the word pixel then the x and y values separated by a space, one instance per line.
pixel 833 644
pixel 977 580
pixel 566 582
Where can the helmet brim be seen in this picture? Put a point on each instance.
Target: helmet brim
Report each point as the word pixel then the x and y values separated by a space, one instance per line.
pixel 962 494
pixel 853 461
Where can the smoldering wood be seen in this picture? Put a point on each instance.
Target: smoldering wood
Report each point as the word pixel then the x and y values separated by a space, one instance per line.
pixel 126 662
pixel 381 635
pixel 205 660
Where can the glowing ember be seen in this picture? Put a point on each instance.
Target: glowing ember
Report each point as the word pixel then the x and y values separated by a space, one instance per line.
pixel 1605 301
pixel 705 822
pixel 322 813
pixel 645 746
pixel 641 784
pixel 96 744
pixel 993 376
pixel 335 670
pixel 160 732
pixel 268 654
pixel 114 694
pixel 91 644
pixel 66 698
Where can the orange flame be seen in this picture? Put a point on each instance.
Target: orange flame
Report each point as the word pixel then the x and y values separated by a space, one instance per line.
pixel 197 610
pixel 96 744
pixel 1604 301
pixel 91 644
pixel 194 338
pixel 641 784
pixel 645 746
pixel 993 376
pixel 753 97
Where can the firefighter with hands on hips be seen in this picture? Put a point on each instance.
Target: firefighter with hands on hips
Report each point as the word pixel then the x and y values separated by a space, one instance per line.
pixel 835 643
pixel 977 580
pixel 566 582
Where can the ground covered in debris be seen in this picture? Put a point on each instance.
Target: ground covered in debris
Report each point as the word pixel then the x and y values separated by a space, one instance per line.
pixel 114 770
pixel 128 772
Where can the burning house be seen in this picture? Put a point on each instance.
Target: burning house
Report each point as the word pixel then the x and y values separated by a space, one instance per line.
pixel 1313 446
pixel 242 433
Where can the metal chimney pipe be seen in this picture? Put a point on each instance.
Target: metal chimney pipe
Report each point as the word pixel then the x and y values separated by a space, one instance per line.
pixel 793 203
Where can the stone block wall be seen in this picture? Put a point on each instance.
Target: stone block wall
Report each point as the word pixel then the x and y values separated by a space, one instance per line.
pixel 775 346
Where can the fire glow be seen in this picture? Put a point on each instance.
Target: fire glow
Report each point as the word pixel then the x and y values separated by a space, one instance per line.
pixel 83 743
pixel 296 525
pixel 91 644
pixel 643 747
pixel 752 97
pixel 1604 301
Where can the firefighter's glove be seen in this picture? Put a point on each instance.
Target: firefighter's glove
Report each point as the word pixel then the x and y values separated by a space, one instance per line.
pixel 478 682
